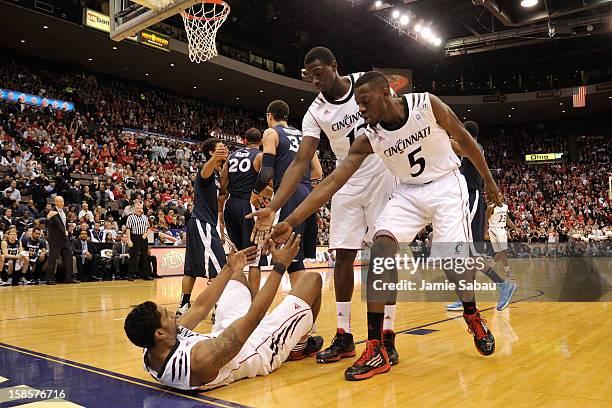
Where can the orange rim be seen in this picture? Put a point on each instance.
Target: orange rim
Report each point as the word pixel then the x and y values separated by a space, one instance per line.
pixel 223 14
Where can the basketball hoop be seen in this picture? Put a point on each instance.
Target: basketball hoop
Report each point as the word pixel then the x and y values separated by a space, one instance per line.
pixel 201 23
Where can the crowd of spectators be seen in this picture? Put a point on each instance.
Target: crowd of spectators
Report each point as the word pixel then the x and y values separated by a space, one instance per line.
pixel 560 201
pixel 100 168
pixel 109 103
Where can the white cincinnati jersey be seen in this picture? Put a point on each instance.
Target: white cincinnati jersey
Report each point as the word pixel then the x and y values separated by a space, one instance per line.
pixel 498 217
pixel 176 370
pixel 341 121
pixel 420 150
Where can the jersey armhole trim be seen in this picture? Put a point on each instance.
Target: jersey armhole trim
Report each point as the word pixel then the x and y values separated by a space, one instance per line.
pixel 170 354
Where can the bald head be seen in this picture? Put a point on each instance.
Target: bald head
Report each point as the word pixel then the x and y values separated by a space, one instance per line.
pixel 59 201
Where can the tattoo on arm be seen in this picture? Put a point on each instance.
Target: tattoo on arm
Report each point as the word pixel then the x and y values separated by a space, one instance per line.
pixel 224 348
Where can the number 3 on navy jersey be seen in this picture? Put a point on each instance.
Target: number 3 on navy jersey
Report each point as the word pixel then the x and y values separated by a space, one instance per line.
pixel 295 142
pixel 244 165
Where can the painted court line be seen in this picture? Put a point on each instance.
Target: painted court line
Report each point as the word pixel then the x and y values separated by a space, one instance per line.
pixel 407 331
pixel 125 378
pixel 76 313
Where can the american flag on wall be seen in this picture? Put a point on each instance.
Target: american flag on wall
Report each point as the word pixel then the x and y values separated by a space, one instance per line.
pixel 579 97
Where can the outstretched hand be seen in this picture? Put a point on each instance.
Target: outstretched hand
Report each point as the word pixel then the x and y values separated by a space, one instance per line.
pixel 264 219
pixel 238 260
pixel 286 254
pixel 281 232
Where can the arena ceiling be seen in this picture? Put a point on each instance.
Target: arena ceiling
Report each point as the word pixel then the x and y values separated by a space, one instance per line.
pixel 69 43
pixel 351 28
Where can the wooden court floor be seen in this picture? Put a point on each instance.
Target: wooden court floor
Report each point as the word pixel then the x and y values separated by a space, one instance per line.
pixel 548 354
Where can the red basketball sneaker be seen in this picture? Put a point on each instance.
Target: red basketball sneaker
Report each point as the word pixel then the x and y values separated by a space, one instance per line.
pixel 483 338
pixel 373 360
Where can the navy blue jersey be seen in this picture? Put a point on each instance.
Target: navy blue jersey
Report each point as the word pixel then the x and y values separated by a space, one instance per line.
pixel 206 191
pixel 34 248
pixel 241 174
pixel 289 139
pixel 472 176
pixel 13 248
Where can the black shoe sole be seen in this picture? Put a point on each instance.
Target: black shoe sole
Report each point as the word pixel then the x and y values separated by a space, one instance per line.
pixel 348 354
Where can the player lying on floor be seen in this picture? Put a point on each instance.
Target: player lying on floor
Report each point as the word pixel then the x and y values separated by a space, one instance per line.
pixel 244 342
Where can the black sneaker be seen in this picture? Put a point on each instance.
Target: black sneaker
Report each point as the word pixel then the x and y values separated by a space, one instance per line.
pixel 311 347
pixel 389 342
pixel 181 310
pixel 373 360
pixel 342 346
pixel 483 338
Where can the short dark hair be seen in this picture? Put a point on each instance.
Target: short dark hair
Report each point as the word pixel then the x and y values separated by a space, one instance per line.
pixel 279 109
pixel 253 135
pixel 209 145
pixel 372 77
pixel 322 54
pixel 472 128
pixel 36 229
pixel 141 323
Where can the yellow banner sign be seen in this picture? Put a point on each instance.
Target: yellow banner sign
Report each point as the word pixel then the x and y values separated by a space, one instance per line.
pixel 155 40
pixel 543 156
pixel 97 20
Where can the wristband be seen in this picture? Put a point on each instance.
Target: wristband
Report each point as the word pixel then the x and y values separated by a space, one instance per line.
pixel 280 268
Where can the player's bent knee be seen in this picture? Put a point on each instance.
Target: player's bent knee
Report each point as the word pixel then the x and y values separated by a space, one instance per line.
pixel 309 287
pixel 384 241
pixel 296 266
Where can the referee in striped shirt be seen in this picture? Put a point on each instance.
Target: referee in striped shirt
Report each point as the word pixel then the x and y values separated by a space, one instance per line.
pixel 137 230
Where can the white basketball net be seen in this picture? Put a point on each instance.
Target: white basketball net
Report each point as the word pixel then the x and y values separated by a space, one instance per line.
pixel 201 23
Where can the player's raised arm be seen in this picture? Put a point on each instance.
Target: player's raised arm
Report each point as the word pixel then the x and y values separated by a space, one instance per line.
pixel 465 143
pixel 219 155
pixel 209 356
pixel 300 165
pixel 358 152
pixel 266 170
pixel 209 296
pixel 222 198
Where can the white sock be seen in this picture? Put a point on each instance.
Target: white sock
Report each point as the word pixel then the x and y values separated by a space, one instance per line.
pixel 343 312
pixel 389 317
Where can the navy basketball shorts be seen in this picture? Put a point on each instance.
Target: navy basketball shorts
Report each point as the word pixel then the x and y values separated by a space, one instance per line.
pixel 311 231
pixel 205 256
pixel 478 211
pixel 300 194
pixel 238 228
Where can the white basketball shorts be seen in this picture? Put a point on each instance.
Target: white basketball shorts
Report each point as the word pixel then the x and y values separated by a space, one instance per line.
pixel 355 209
pixel 277 333
pixel 444 202
pixel 499 239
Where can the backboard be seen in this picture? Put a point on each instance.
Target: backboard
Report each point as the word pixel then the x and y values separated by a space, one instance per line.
pixel 129 17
